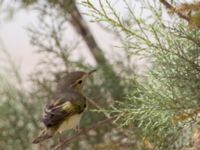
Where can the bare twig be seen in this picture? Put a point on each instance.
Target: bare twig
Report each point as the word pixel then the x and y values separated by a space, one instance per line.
pixel 84 131
pixel 92 102
pixel 169 6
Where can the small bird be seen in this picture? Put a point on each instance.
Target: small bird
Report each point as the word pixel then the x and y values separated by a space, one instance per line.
pixel 65 109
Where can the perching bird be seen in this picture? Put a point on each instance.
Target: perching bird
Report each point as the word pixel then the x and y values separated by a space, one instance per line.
pixel 64 111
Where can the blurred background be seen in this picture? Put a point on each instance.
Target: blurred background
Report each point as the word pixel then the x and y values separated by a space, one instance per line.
pixel 40 41
pixel 142 50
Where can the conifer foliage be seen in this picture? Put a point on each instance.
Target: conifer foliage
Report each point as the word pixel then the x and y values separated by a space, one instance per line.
pixel 164 105
pixel 158 109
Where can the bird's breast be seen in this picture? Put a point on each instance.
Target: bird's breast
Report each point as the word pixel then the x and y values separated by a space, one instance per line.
pixel 70 123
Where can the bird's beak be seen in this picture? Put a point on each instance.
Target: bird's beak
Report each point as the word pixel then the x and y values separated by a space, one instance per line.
pixel 91 72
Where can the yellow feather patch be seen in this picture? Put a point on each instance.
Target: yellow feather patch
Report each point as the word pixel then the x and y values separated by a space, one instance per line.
pixel 67 106
pixel 56 102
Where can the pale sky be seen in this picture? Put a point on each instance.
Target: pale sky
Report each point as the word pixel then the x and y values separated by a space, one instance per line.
pixel 16 40
pixel 14 36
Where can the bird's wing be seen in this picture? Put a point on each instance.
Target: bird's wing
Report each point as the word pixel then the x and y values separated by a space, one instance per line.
pixel 57 111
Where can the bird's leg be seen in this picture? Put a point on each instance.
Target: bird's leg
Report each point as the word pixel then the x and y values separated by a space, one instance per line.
pixel 77 129
pixel 61 140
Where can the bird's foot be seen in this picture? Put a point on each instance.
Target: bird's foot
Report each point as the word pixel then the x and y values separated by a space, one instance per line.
pixel 77 129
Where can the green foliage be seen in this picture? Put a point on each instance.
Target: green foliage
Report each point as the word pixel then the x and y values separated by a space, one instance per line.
pixel 171 87
pixel 160 107
pixel 17 107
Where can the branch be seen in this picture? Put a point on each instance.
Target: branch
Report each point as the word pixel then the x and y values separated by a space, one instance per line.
pixel 92 102
pixel 169 6
pixel 84 131
pixel 97 106
pixel 77 21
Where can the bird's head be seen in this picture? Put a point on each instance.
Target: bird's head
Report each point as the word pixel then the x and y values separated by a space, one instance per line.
pixel 74 80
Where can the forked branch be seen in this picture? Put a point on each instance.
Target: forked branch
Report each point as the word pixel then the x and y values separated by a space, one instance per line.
pixel 171 7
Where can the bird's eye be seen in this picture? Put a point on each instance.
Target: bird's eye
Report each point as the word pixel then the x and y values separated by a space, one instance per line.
pixel 79 82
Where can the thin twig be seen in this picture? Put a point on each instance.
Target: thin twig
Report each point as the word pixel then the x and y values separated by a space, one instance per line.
pixel 169 6
pixel 92 102
pixel 97 106
pixel 84 131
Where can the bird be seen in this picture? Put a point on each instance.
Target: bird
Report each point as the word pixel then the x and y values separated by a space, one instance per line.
pixel 64 110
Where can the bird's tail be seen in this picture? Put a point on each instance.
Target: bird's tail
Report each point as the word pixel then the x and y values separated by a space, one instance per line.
pixel 44 135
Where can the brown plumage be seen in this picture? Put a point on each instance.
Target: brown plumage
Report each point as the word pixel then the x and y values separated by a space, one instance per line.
pixel 64 110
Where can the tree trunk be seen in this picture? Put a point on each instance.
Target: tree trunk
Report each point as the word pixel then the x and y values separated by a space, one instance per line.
pixel 82 29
